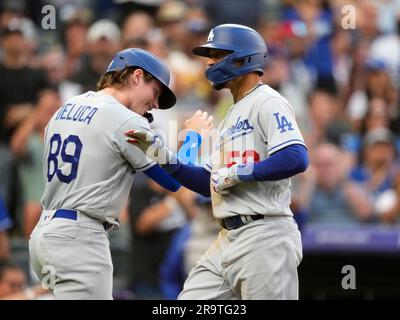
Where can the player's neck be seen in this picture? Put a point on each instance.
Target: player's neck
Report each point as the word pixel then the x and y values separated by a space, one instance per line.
pixel 117 94
pixel 244 86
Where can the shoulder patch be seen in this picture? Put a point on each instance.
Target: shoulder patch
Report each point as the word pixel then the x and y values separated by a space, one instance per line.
pixel 283 124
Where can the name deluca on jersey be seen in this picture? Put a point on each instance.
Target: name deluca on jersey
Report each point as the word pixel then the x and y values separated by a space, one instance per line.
pixel 72 112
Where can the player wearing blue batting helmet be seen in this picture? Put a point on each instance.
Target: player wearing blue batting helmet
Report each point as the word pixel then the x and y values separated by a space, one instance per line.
pixel 248 52
pixel 145 60
pixel 260 148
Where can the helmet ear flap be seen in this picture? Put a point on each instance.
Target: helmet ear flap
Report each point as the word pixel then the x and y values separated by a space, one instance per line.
pixel 249 52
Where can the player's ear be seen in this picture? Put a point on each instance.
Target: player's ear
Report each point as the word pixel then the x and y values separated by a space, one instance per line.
pixel 137 74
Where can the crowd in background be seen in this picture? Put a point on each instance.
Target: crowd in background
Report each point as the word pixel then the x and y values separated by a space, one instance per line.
pixel 341 79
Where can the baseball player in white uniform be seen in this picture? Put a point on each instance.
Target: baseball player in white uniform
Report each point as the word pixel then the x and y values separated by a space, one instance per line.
pixel 89 170
pixel 260 147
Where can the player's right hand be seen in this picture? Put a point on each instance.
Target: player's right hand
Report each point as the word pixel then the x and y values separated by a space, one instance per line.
pixel 150 143
pixel 224 178
pixel 200 122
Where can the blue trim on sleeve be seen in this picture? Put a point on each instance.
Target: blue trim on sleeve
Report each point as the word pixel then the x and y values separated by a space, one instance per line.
pixel 292 140
pixel 207 166
pixel 157 174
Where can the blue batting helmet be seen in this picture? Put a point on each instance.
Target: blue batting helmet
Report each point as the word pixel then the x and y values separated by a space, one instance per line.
pixel 246 45
pixel 150 63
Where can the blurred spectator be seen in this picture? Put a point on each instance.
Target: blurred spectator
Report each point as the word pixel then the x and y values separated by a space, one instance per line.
pixel 170 18
pixel 388 13
pixel 74 35
pixel 204 231
pixel 377 85
pixel 172 272
pixel 376 117
pixel 155 218
pixel 341 58
pixel 27 145
pixel 331 198
pixel 137 25
pixel 190 84
pixel 378 172
pixel 12 279
pixel 54 63
pixel 324 110
pixel 103 42
pixel 314 22
pixel 386 48
pixel 126 7
pixel 19 84
pixel 356 80
pixel 13 285
pixel 30 35
pixel 187 246
pixel 6 162
pixel 367 27
pixel 5 224
pixel 11 9
pixel 232 11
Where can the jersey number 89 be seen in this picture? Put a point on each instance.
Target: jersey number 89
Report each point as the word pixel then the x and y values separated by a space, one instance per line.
pixel 59 147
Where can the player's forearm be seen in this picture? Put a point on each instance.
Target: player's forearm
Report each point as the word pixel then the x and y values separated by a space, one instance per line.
pixel 21 136
pixel 151 217
pixel 283 164
pixel 195 178
pixel 157 174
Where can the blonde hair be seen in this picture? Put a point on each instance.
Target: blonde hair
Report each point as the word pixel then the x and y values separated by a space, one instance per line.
pixel 119 78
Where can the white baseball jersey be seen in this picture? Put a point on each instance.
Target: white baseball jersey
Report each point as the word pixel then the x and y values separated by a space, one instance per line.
pixel 255 127
pixel 89 166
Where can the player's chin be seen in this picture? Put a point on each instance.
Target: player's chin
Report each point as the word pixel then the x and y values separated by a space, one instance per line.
pixel 143 110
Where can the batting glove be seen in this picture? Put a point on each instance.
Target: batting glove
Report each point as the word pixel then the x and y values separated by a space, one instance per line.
pixel 151 144
pixel 224 178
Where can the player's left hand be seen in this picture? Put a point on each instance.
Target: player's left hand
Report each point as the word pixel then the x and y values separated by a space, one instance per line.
pixel 223 179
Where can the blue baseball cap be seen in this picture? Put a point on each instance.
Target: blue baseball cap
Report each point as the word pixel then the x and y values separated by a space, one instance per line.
pixel 135 57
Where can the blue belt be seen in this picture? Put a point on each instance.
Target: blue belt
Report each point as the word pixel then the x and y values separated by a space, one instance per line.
pixel 239 221
pixel 73 215
pixel 66 214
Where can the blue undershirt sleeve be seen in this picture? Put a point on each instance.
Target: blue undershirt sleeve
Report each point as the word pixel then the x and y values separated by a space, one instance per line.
pixel 282 164
pixel 195 178
pixel 157 174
